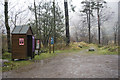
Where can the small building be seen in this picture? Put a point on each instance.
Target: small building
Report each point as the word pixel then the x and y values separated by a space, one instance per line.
pixel 22 42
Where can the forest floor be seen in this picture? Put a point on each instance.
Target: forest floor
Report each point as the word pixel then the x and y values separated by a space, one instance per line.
pixel 80 64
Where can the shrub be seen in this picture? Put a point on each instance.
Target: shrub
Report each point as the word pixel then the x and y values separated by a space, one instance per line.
pixel 6 55
pixel 84 44
pixel 113 49
pixel 100 46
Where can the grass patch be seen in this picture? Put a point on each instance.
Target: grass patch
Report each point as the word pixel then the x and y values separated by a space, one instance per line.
pixel 44 56
pixel 70 50
pixel 105 50
pixel 10 65
pixel 73 47
pixel 15 65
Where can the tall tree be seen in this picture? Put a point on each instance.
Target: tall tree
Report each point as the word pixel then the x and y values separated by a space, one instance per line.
pixel 119 25
pixel 54 25
pixel 89 26
pixel 7 26
pixel 47 21
pixel 36 20
pixel 115 28
pixel 40 24
pixel 105 15
pixel 67 23
pixel 99 4
pixel 88 9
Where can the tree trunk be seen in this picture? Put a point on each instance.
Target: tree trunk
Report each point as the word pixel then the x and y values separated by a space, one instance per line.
pixel 45 35
pixel 39 27
pixel 67 23
pixel 98 24
pixel 54 26
pixel 36 19
pixel 89 25
pixel 115 38
pixel 76 36
pixel 7 27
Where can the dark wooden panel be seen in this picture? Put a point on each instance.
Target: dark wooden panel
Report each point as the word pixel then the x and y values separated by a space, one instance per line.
pixel 29 46
pixel 19 51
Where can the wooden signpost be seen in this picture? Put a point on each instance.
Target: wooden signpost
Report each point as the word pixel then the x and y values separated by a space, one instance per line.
pixel 51 42
pixel 50 45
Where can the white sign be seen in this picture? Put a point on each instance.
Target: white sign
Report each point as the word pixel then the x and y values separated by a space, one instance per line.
pixel 37 44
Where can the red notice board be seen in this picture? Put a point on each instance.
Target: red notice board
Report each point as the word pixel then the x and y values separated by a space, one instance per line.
pixel 21 41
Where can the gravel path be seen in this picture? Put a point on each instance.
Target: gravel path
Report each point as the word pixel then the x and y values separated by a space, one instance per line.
pixel 70 65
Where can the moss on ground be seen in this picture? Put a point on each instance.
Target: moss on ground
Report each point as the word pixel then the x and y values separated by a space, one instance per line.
pixel 105 50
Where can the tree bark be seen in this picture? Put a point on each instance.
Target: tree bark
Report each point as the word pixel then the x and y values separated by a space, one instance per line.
pixel 98 24
pixel 7 27
pixel 54 26
pixel 67 23
pixel 89 25
pixel 39 27
pixel 115 38
pixel 36 21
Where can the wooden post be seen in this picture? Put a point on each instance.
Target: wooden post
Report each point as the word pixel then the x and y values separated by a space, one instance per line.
pixel 49 44
pixel 53 48
pixel 54 25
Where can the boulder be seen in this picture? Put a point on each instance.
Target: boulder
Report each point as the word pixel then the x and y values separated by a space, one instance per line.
pixel 91 49
pixel 80 46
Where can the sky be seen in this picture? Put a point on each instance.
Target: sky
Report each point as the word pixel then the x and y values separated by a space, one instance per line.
pixel 16 5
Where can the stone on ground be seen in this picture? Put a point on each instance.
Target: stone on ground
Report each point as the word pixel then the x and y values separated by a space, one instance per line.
pixel 91 49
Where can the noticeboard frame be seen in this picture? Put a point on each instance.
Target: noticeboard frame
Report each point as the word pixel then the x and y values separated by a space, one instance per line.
pixel 36 44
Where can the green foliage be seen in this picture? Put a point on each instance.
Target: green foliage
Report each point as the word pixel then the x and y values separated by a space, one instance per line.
pixel 6 55
pixel 106 52
pixel 111 48
pixel 88 6
pixel 84 44
pixel 46 21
